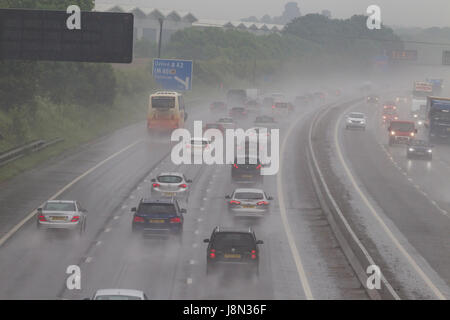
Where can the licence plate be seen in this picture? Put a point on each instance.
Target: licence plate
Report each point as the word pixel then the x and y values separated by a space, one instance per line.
pixel 231 256
pixel 248 206
pixel 247 176
pixel 156 221
pixel 58 218
pixel 169 194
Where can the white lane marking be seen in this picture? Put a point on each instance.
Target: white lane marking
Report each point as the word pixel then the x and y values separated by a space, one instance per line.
pixel 107 229
pixel 405 253
pixel 70 184
pixel 98 243
pixel 202 209
pixel 205 199
pixel 116 217
pixel 124 207
pixel 191 261
pixel 189 280
pixel 196 232
pixel 294 250
pixel 88 260
pixel 195 245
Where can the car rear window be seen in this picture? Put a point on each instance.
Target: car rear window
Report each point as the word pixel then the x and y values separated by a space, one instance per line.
pixel 170 179
pixel 226 240
pixel 419 143
pixel 199 142
pixel 157 209
pixel 55 206
pixel 249 195
pixel 281 105
pixel 247 160
pixel 264 119
pixel 226 120
pixel 163 102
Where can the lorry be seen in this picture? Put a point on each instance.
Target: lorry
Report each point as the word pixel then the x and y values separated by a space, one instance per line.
pixel 417 110
pixel 401 131
pixel 437 85
pixel 438 118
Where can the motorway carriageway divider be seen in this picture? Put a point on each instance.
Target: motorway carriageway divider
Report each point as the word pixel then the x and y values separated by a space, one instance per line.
pixel 354 250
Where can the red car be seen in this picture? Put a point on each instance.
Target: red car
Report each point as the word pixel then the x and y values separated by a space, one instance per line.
pixel 389 115
pixel 401 131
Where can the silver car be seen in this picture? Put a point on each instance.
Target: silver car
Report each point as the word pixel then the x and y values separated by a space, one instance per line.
pixel 356 120
pixel 62 214
pixel 171 184
pixel 119 294
pixel 248 202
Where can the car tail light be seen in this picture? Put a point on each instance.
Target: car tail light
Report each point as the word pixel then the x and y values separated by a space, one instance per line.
pixel 258 167
pixel 212 254
pixel 138 219
pixel 253 256
pixel 384 117
pixel 235 165
pixel 235 202
pixel 261 203
pixel 42 218
pixel 273 107
pixel 183 185
pixel 155 185
pixel 175 220
pixel 75 219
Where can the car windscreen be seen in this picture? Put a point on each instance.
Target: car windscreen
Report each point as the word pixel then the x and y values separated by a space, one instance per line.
pixel 356 115
pixel 170 179
pixel 390 112
pixel 59 206
pixel 422 143
pixel 249 195
pixel 226 120
pixel 163 102
pixel 227 240
pixel 199 142
pixel 402 126
pixel 116 297
pixel 159 210
pixel 247 161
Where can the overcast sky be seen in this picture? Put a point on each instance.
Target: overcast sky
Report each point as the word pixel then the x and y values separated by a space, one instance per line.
pixel 421 13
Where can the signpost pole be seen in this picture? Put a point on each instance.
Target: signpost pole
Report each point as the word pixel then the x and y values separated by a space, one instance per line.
pixel 161 20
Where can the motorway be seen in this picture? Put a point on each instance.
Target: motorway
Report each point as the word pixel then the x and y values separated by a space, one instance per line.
pixel 300 257
pixel 399 208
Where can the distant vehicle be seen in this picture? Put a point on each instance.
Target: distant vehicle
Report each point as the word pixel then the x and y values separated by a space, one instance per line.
pixel 158 217
pixel 236 97
pixel 171 184
pixel 218 106
pixel 166 111
pixel 227 123
pixel 390 105
pixel 265 121
pixel 389 114
pixel 401 132
pixel 301 101
pixel 217 126
pixel 419 149
pixel 62 214
pixel 277 96
pixel 238 113
pixel 437 86
pixel 253 106
pixel 438 118
pixel 282 108
pixel 320 95
pixel 119 294
pixel 374 99
pixel 356 120
pixel 233 248
pixel 198 145
pixel 268 102
pixel 401 99
pixel 248 202
pixel 416 107
pixel 246 170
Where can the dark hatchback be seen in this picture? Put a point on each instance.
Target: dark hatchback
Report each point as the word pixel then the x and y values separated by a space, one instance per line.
pixel 419 149
pixel 238 113
pixel 246 170
pixel 234 248
pixel 158 217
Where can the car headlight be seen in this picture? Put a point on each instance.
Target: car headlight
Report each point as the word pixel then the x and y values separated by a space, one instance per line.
pixel 393 132
pixel 412 134
pixel 411 149
pixel 430 151
pixel 415 116
pixel 420 122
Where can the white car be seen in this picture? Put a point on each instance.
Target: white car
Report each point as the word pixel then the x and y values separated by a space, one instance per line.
pixel 356 120
pixel 248 202
pixel 171 184
pixel 119 294
pixel 62 214
pixel 227 123
pixel 198 145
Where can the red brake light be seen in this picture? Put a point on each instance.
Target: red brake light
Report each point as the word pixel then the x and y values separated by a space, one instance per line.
pixel 42 218
pixel 183 185
pixel 235 202
pixel 236 166
pixel 75 219
pixel 258 167
pixel 212 254
pixel 273 107
pixel 253 254
pixel 138 219
pixel 260 203
pixel 175 220
pixel 155 185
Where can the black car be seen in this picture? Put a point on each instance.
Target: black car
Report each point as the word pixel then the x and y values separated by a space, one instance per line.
pixel 372 99
pixel 238 113
pixel 246 169
pixel 419 149
pixel 232 248
pixel 158 217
